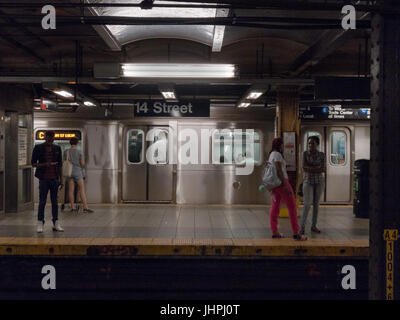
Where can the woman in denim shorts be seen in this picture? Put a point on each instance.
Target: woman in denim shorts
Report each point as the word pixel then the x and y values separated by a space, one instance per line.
pixel 76 158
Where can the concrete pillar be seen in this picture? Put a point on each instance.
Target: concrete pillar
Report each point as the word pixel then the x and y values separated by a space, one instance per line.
pixel 385 156
pixel 16 103
pixel 11 162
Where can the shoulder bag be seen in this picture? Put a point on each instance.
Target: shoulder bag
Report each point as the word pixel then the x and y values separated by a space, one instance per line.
pixel 270 177
pixel 67 166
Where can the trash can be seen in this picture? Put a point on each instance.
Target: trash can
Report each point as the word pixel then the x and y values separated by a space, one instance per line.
pixel 361 188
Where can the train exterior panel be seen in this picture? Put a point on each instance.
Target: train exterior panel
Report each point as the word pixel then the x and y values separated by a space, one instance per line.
pixel 114 175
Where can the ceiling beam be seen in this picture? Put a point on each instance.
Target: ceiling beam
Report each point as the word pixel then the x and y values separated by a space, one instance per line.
pixel 105 34
pixel 12 22
pixel 219 31
pixel 327 43
pixel 8 39
pixel 234 4
pixel 252 22
pixel 83 80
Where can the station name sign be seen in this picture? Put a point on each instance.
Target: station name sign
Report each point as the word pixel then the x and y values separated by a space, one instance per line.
pixel 161 108
pixel 59 134
pixel 334 112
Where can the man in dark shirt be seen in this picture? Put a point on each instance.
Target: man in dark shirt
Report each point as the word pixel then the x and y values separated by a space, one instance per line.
pixel 47 160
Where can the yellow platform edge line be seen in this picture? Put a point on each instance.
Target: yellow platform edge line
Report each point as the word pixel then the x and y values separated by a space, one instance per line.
pixel 189 247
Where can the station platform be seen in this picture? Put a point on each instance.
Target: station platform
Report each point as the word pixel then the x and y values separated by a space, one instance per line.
pixel 179 230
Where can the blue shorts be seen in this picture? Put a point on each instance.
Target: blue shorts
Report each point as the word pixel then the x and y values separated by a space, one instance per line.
pixel 77 173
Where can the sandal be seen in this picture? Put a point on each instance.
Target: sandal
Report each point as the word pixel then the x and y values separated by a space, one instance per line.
pixel 277 236
pixel 299 237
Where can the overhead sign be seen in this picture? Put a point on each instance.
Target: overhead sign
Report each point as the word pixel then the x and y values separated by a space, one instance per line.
pixel 161 108
pixel 60 134
pixel 334 112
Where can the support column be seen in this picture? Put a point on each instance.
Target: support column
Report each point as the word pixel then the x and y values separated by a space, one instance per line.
pixel 385 156
pixel 288 121
pixel 11 162
pixel 16 103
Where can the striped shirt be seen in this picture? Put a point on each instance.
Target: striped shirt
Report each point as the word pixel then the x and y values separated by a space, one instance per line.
pixel 313 159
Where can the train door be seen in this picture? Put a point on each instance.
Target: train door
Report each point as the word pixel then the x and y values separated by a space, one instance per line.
pixel 335 142
pixel 144 179
pixel 338 165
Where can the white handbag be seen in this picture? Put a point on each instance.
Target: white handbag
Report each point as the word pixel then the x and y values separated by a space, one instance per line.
pixel 270 177
pixel 67 166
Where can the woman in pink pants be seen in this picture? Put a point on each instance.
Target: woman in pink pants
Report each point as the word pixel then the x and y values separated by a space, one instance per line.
pixel 283 192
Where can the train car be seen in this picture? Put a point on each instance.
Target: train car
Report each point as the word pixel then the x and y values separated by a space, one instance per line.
pixel 116 150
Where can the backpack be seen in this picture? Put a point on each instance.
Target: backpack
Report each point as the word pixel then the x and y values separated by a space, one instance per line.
pixel 270 177
pixel 67 166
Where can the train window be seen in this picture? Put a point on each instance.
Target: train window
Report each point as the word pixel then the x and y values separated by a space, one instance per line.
pixel 310 134
pixel 338 148
pixel 222 146
pixel 135 146
pixel 160 143
pixel 226 149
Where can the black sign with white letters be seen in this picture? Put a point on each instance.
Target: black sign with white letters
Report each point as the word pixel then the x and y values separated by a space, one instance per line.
pixel 334 112
pixel 162 108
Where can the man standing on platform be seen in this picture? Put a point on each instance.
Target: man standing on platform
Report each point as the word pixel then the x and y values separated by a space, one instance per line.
pixel 47 159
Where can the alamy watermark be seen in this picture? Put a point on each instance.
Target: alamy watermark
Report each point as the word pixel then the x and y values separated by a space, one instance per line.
pixel 193 147
pixel 49 20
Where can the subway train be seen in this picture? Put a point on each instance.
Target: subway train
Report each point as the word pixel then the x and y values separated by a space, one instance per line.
pixel 117 171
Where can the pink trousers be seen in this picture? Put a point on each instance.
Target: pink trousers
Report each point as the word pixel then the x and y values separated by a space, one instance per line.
pixel 278 194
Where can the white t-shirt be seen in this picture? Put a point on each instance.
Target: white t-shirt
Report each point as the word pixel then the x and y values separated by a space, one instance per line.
pixel 276 156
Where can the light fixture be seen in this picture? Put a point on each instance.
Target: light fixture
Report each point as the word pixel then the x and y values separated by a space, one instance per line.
pixel 63 93
pixel 89 104
pixel 168 95
pixel 254 95
pixel 251 95
pixel 178 70
pixel 168 91
pixel 244 104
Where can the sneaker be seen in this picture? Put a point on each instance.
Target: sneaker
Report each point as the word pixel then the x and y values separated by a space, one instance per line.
pixel 88 210
pixel 57 227
pixel 40 226
pixel 315 229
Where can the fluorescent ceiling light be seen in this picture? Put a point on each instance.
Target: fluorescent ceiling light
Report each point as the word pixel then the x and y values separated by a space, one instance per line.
pixel 63 93
pixel 244 104
pixel 174 70
pixel 89 104
pixel 253 95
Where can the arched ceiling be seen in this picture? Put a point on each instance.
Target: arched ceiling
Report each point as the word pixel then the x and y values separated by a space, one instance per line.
pixel 126 34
